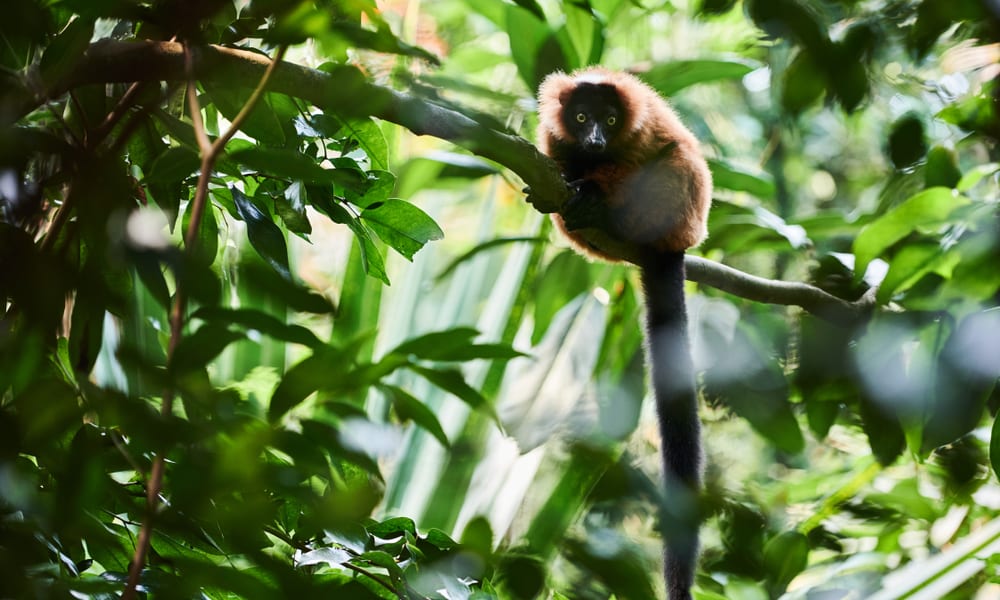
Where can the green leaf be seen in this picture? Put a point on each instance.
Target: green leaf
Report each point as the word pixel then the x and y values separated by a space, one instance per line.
pixel 250 318
pixel 380 186
pixel 672 77
pixel 941 169
pixel 309 375
pixel 453 345
pixel 907 143
pixel 264 122
pixel 927 208
pixel 381 40
pixel 207 240
pixel 408 408
pixel 885 433
pixel 295 166
pixel 802 84
pixel 785 556
pixel 586 29
pixel 731 177
pixel 196 350
pixel 291 208
pixel 912 262
pixel 452 381
pixel 402 226
pixel 751 383
pixel 66 49
pixel 536 48
pixel 173 165
pixel 267 282
pixel 975 175
pixel 265 237
pixel 367 135
pixel 392 528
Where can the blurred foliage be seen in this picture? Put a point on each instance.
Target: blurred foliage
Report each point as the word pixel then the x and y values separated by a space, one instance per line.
pixel 476 430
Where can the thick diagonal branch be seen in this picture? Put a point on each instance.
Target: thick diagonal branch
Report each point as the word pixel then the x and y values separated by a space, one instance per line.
pixel 346 91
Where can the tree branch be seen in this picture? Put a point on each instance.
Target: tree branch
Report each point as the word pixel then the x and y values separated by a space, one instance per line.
pixel 339 90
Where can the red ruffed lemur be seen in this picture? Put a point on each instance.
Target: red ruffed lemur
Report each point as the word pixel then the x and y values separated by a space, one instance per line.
pixel 641 191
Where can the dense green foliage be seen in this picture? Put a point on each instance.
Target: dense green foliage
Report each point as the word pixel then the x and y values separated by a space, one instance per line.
pixel 217 329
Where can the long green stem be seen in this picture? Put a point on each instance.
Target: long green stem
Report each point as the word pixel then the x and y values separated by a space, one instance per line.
pixel 847 491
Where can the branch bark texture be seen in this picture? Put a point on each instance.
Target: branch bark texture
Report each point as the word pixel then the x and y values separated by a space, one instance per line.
pixel 338 91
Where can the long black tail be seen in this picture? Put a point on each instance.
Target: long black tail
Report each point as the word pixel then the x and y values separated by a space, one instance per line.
pixel 672 375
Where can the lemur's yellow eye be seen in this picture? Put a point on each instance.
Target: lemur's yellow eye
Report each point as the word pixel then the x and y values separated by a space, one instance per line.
pixel 612 120
pixel 581 118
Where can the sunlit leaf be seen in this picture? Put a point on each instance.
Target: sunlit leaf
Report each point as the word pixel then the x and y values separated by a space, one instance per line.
pixel 785 556
pixel 927 208
pixel 731 177
pixel 672 77
pixel 402 225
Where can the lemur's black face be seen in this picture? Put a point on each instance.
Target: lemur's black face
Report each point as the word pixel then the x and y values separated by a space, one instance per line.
pixel 593 114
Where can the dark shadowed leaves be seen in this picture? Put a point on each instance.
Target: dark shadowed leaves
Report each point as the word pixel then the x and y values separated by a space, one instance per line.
pixel 266 238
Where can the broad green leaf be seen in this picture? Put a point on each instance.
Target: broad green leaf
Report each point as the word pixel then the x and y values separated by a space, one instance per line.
pixel 367 135
pixel 380 40
pixel 907 143
pixel 266 237
pixel 751 383
pixel 207 241
pixel 175 164
pixel 536 48
pixel 66 49
pixel 408 408
pixel 291 207
pixel 975 175
pixel 270 121
pixel 672 77
pixel 392 528
pixel 269 284
pixel 257 320
pixel 314 372
pixel 380 187
pixel 197 349
pixel 785 556
pixel 294 166
pixel 941 169
pixel 452 381
pixel 586 31
pixel 533 7
pixel 402 226
pixel 885 433
pixel 802 84
pixel 907 266
pixel 928 208
pixel 731 177
pixel 453 345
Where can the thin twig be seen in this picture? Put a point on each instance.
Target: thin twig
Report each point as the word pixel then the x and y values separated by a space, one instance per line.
pixel 210 153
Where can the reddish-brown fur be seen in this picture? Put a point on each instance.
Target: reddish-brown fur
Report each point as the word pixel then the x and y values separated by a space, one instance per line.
pixel 661 197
